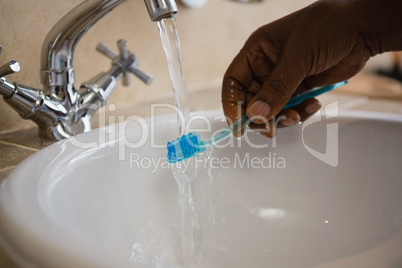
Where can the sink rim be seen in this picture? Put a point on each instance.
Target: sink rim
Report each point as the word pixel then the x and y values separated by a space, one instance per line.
pixel 25 167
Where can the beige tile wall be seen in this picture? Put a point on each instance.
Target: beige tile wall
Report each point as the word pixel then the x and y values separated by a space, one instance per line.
pixel 210 38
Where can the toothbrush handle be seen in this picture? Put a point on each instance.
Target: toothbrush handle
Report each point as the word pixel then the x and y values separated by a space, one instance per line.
pixel 295 100
pixel 233 128
pixel 244 121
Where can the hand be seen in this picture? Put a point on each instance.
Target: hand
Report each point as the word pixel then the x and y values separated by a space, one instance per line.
pixel 316 46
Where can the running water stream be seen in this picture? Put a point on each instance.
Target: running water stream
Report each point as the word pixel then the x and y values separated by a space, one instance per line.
pixel 195 233
pixel 171 45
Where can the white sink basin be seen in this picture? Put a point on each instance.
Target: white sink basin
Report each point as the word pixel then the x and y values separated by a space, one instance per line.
pixel 89 207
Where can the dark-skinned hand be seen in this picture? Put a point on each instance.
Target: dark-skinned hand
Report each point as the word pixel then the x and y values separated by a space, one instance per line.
pixel 319 45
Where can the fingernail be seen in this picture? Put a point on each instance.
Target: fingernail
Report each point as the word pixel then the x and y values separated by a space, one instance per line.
pixel 313 107
pixel 288 121
pixel 259 109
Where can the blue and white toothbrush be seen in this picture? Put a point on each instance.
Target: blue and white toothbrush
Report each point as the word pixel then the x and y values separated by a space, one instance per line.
pixel 191 144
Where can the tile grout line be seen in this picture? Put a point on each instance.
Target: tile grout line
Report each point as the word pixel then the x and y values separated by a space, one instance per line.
pixel 19 146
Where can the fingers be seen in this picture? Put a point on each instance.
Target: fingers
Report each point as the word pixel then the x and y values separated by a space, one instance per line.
pixel 307 108
pixel 237 79
pixel 233 101
pixel 268 129
pixel 302 112
pixel 288 117
pixel 276 90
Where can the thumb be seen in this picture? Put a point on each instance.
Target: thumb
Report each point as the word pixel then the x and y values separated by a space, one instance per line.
pixel 275 92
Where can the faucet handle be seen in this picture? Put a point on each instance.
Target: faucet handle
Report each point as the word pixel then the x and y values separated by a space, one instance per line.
pixel 9 68
pixel 102 48
pixel 125 54
pixel 143 76
pixel 123 48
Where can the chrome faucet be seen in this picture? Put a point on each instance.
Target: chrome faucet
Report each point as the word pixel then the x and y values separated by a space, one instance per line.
pixel 59 110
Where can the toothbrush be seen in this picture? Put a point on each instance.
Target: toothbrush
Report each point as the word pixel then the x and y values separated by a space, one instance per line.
pixel 191 144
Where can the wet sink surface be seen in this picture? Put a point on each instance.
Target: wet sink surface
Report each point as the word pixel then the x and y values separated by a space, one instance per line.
pixel 326 194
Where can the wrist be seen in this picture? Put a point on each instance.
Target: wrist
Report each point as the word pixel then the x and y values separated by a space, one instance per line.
pixel 379 23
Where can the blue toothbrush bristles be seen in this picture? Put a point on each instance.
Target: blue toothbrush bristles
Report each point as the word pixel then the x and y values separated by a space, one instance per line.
pixel 184 147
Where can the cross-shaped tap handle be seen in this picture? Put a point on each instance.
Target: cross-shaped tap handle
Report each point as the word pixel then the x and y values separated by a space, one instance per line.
pixel 124 54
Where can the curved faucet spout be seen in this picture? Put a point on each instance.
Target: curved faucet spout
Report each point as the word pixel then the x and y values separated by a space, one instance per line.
pixel 60 110
pixel 56 72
